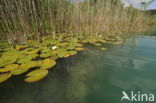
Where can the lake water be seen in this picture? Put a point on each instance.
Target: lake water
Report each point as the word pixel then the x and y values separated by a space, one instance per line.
pixel 92 76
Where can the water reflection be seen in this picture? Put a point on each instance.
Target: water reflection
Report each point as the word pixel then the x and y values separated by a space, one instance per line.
pixel 91 76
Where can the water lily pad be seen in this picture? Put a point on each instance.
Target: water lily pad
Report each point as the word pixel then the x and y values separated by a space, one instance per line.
pixel 72 52
pixel 7 61
pixel 45 55
pixel 79 45
pixel 27 58
pixel 4 77
pixel 34 51
pixel 66 55
pixel 97 44
pixel 79 49
pixel 32 42
pixel 85 41
pixel 48 63
pixel 46 49
pixel 71 46
pixel 36 75
pixel 103 49
pixel 118 42
pixel 64 44
pixel 9 68
pixel 61 54
pixel 103 41
pixel 19 47
pixel 25 67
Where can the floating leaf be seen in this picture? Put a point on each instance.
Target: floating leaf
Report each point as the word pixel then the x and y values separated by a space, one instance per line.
pixel 27 58
pixel 118 42
pixel 64 44
pixel 66 55
pixel 37 72
pixel 61 54
pixel 79 49
pixel 71 46
pixel 4 77
pixel 18 47
pixel 103 41
pixel 36 75
pixel 103 49
pixel 97 44
pixel 46 49
pixel 72 52
pixel 34 51
pixel 7 61
pixel 78 44
pixel 48 63
pixel 9 68
pixel 25 67
pixel 45 55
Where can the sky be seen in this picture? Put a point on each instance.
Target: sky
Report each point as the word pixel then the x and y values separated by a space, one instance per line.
pixel 136 3
pixel 153 5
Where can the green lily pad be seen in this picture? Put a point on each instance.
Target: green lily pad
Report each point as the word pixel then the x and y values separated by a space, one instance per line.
pixel 9 68
pixel 46 49
pixel 34 51
pixel 97 44
pixel 4 77
pixel 36 75
pixel 19 47
pixel 27 58
pixel 103 49
pixel 32 42
pixel 7 61
pixel 71 46
pixel 45 55
pixel 64 44
pixel 25 67
pixel 118 42
pixel 48 63
pixel 103 41
pixel 79 49
pixel 61 54
pixel 72 52
pixel 79 45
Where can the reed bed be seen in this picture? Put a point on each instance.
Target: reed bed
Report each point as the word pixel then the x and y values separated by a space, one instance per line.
pixel 21 20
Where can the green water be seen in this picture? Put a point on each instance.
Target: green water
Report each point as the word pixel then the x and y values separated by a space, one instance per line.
pixel 92 76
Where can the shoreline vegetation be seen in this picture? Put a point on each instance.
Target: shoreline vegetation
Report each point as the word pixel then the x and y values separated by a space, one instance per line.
pixel 38 32
pixel 33 19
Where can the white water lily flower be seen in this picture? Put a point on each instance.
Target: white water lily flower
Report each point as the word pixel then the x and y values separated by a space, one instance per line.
pixel 100 36
pixel 54 47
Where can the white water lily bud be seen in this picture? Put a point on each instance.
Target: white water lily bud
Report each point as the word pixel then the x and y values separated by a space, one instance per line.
pixel 54 47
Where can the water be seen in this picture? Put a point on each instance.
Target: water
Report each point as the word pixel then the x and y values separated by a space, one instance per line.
pixel 92 76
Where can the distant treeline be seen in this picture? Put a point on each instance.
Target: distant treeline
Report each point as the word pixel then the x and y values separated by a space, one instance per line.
pixel 152 12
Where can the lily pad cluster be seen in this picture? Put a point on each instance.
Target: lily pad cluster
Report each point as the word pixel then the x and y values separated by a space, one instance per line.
pixel 35 59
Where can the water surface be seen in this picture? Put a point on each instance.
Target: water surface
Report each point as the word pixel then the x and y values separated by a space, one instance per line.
pixel 91 76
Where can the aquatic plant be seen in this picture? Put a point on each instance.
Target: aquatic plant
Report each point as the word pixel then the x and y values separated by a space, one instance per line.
pixel 4 77
pixel 27 58
pixel 47 63
pixel 25 67
pixel 79 49
pixel 36 75
pixel 103 49
pixel 8 68
pixel 37 19
pixel 42 57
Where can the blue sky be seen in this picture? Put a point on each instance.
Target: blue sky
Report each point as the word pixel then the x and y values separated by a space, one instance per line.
pixel 153 5
pixel 136 4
